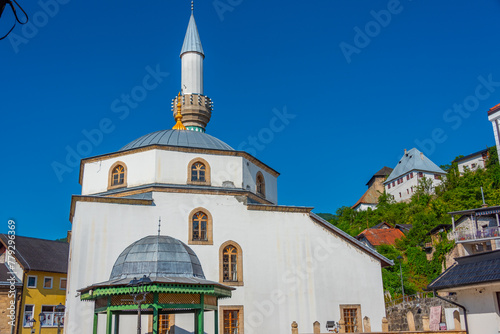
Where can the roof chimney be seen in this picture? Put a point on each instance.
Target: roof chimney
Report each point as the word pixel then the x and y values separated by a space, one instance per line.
pixel 405 151
pixel 421 156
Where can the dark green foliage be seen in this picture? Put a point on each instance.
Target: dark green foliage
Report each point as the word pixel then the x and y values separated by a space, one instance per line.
pixel 425 211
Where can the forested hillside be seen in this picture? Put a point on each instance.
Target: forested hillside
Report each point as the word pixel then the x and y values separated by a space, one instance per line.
pixel 425 211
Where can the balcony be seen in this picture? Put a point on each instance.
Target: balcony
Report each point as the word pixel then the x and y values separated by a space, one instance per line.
pixel 473 235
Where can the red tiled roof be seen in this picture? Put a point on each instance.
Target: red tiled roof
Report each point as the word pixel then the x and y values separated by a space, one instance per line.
pixel 495 108
pixel 377 237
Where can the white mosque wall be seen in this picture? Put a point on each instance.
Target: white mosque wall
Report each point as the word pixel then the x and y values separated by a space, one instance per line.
pixel 293 268
pixel 171 167
pixel 250 171
pixel 192 73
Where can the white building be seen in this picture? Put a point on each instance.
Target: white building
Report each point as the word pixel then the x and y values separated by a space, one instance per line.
pixel 473 162
pixel 474 281
pixel 494 118
pixel 406 176
pixel 285 263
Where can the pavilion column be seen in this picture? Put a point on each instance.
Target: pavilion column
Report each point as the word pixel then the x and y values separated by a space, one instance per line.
pixel 155 314
pixel 96 317
pixel 201 316
pixel 117 323
pixel 109 321
pixel 155 320
pixel 216 322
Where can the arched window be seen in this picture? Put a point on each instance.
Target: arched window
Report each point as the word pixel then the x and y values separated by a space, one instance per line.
pixel 231 264
pixel 261 185
pixel 198 172
pixel 117 175
pixel 200 227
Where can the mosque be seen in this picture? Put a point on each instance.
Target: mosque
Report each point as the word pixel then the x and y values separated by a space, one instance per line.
pixel 179 225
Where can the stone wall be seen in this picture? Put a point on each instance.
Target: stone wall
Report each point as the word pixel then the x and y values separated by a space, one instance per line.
pixel 401 315
pixel 5 327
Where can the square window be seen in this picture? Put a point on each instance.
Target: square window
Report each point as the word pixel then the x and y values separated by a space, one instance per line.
pixel 32 282
pixel 62 283
pixel 28 315
pixel 420 174
pixel 47 282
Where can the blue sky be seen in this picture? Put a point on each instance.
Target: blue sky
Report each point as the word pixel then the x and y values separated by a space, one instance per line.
pixel 363 80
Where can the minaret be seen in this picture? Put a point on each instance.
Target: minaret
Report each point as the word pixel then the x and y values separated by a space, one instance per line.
pixel 196 108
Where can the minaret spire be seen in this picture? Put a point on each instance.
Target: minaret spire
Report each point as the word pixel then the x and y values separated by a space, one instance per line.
pixel 196 107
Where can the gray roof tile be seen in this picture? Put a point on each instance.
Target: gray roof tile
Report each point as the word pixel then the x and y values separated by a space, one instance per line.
pixel 413 160
pixel 470 270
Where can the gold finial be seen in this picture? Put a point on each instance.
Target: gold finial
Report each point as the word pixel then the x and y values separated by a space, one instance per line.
pixel 178 117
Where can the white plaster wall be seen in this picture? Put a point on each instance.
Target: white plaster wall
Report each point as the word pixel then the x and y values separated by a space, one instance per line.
pixel 478 160
pixel 192 73
pixel 250 171
pixel 171 167
pixel 140 170
pixel 293 269
pixel 405 188
pixel 482 308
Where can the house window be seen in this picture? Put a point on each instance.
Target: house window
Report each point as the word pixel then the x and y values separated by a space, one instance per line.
pixel 393 184
pixel 389 186
pixel 117 175
pixel 47 282
pixel 351 315
pixel 231 319
pixel 408 191
pixel 411 189
pixel 28 314
pixel 62 284
pixel 50 318
pixel 199 172
pixel 473 165
pixel 420 174
pixel 200 227
pixel 32 282
pixel 261 185
pixel 407 177
pixel 437 177
pixel 399 195
pixel 411 175
pixel 231 266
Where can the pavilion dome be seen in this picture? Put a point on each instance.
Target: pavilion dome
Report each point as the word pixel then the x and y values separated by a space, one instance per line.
pixel 157 256
pixel 183 138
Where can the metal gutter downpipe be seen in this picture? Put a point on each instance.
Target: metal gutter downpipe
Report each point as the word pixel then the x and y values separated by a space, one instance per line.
pixel 456 304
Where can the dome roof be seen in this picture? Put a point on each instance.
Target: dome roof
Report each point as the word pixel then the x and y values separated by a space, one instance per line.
pixel 157 256
pixel 184 138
